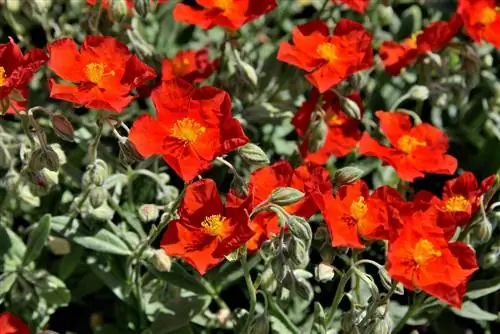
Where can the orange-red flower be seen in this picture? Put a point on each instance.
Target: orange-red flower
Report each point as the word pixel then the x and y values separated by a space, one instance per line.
pixel 205 231
pixel 231 14
pixel 192 127
pixel 481 20
pixel 352 214
pixel 343 131
pixel 192 66
pixel 415 149
pixel 433 38
pixel 328 59
pixel 421 257
pixel 356 5
pixel 16 70
pixel 10 324
pixel 103 72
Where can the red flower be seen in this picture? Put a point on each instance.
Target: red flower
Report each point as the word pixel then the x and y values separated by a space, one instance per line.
pixel 356 5
pixel 192 66
pixel 433 38
pixel 10 324
pixel 103 70
pixel 205 231
pixel 192 127
pixel 353 214
pixel 420 257
pixel 328 59
pixel 481 20
pixel 343 132
pixel 16 70
pixel 418 149
pixel 231 14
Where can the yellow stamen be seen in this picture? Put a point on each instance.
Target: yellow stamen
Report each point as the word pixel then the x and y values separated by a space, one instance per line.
pixel 408 143
pixel 424 251
pixel 327 51
pixel 488 15
pixel 457 203
pixel 225 5
pixel 359 208
pixel 95 72
pixel 181 64
pixel 3 76
pixel 187 130
pixel 214 225
pixel 412 41
pixel 333 119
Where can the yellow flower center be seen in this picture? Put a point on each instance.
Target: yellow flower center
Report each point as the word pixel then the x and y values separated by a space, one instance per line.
pixel 214 225
pixel 333 118
pixel 95 72
pixel 359 208
pixel 225 5
pixel 3 76
pixel 488 15
pixel 412 41
pixel 424 251
pixel 187 130
pixel 327 51
pixel 457 203
pixel 408 143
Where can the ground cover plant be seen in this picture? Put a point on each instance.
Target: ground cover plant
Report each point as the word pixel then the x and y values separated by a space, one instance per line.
pixel 270 166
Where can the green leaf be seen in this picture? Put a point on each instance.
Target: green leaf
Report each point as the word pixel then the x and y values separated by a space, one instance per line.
pixel 481 288
pixel 70 262
pixel 179 277
pixel 110 278
pixel 6 282
pixel 49 287
pixel 470 310
pixel 37 240
pixel 104 241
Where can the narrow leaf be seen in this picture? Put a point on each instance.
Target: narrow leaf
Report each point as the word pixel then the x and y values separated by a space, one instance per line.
pixel 37 240
pixel 104 241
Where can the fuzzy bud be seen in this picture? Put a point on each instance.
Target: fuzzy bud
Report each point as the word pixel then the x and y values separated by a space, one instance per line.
pixel 253 155
pixel 128 153
pixel 300 228
pixel 317 138
pixel 259 325
pixel 59 246
pixel 44 158
pixel 419 93
pixel 350 108
pixel 380 326
pixel 142 7
pixel 482 231
pixel 102 213
pixel 298 252
pixel 347 175
pixel 304 289
pixel 285 196
pixel 148 213
pixel 62 127
pixel 279 268
pixel 5 157
pixel 118 10
pixel 319 314
pixel 324 272
pixel 98 196
pixel 42 180
pixel 162 261
pixel 95 174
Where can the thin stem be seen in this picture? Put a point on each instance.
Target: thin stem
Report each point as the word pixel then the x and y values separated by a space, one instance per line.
pixel 278 313
pixel 412 310
pixel 138 291
pixel 321 10
pixel 338 296
pixel 396 104
pixel 251 289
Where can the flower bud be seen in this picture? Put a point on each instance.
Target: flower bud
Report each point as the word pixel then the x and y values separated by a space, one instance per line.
pixel 168 195
pixel 319 314
pixel 148 213
pixel 482 231
pixel 95 174
pixel 13 6
pixel 102 213
pixel 44 157
pixel 59 246
pixel 259 325
pixel 489 260
pixel 347 175
pixel 304 289
pixel 279 268
pixel 162 261
pixel 300 228
pixel 285 196
pixel 142 7
pixel 62 127
pixel 385 14
pixel 379 326
pixel 247 71
pixel 419 93
pixel 253 155
pixel 98 196
pixel 42 180
pixel 324 272
pixel 299 254
pixel 118 10
pixel 5 157
pixel 350 108
pixel 317 138
pixel 60 153
pixel 128 153
pixel 239 186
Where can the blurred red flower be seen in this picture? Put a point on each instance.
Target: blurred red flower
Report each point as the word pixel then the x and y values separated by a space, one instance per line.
pixel 103 72
pixel 481 20
pixel 420 257
pixel 433 38
pixel 10 324
pixel 205 231
pixel 192 127
pixel 415 149
pixel 356 5
pixel 231 14
pixel 16 70
pixel 343 131
pixel 192 66
pixel 328 59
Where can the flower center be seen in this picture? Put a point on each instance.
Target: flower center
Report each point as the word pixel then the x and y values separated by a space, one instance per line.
pixel 187 130
pixel 95 72
pixel 334 119
pixel 3 76
pixel 181 64
pixel 488 15
pixel 359 208
pixel 214 225
pixel 327 51
pixel 408 143
pixel 412 41
pixel 424 251
pixel 457 203
pixel 225 5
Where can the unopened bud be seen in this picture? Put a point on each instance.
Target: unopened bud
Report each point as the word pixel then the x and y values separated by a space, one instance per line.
pixel 162 261
pixel 142 7
pixel 44 157
pixel 279 268
pixel 347 175
pixel 285 196
pixel 379 326
pixel 118 10
pixel 324 272
pixel 304 289
pixel 128 152
pixel 419 93
pixel 60 153
pixel 317 138
pixel 300 228
pixel 148 213
pixel 168 195
pixel 13 6
pixel 350 108
pixel 102 213
pixel 59 246
pixel 482 231
pixel 385 14
pixel 259 325
pixel 62 127
pixel 319 313
pixel 95 174
pixel 5 157
pixel 298 253
pixel 489 260
pixel 98 196
pixel 42 180
pixel 253 155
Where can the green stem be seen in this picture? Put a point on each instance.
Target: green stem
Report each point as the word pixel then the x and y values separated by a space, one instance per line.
pixel 412 310
pixel 338 296
pixel 277 312
pixel 322 9
pixel 252 294
pixel 138 289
